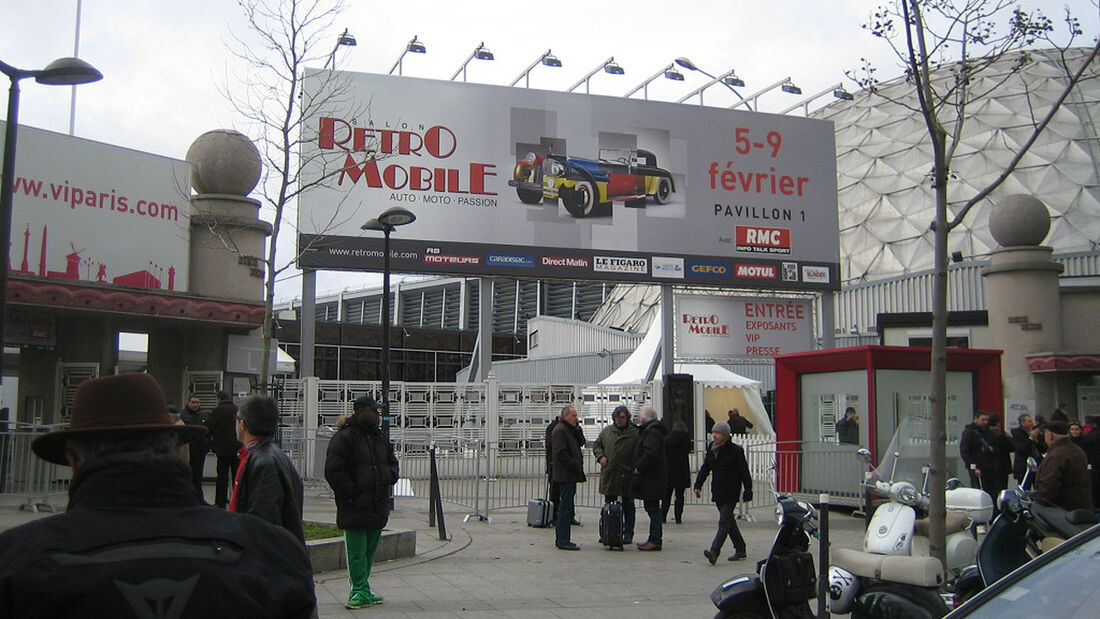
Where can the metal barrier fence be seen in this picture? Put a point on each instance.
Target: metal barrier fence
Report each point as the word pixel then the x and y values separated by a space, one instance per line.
pixel 25 475
pixel 484 479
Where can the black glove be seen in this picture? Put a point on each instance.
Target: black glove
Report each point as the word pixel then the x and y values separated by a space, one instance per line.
pixel 747 496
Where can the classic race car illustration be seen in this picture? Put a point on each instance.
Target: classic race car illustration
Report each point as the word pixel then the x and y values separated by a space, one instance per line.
pixel 620 174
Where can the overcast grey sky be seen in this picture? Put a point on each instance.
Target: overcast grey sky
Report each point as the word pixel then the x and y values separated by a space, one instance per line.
pixel 162 60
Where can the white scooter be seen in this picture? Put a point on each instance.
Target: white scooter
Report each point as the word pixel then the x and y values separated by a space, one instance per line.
pixel 895 568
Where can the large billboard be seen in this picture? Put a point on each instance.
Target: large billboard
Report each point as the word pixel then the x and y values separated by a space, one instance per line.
pixel 88 211
pixel 530 183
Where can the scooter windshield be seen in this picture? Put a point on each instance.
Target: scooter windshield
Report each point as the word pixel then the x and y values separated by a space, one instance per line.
pixel 910 452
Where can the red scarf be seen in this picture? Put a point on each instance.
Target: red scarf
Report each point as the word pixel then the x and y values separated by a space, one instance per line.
pixel 243 455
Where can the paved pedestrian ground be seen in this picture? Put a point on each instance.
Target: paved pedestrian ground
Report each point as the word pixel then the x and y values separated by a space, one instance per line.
pixel 503 568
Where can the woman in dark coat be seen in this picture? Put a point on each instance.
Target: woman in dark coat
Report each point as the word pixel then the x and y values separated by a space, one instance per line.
pixel 677 449
pixel 360 467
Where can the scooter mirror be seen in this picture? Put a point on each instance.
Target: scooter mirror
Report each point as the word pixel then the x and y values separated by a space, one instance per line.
pixel 864 454
pixel 953 483
pixel 1032 463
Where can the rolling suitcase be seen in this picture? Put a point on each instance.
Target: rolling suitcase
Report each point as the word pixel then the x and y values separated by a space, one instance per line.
pixel 611 525
pixel 539 512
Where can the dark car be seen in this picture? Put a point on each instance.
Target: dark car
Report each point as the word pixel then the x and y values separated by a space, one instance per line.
pixel 1060 583
pixel 619 175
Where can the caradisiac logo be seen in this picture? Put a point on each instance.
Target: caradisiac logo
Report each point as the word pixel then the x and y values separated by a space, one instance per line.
pixel 618 264
pixel 668 267
pixel 558 261
pixel 756 271
pixel 709 269
pixel 815 275
pixel 511 260
pixel 761 240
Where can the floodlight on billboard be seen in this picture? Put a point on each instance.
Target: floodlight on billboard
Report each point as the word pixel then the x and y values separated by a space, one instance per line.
pixel 565 185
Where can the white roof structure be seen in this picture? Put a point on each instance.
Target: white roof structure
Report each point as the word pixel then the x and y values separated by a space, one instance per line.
pixel 884 157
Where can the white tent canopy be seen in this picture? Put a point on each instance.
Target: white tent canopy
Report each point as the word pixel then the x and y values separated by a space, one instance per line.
pixel 710 376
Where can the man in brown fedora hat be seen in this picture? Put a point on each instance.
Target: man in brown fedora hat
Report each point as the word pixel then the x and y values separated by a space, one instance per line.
pixel 135 536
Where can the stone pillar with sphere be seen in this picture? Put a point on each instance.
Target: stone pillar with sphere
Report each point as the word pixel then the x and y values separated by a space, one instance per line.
pixel 1021 287
pixel 227 234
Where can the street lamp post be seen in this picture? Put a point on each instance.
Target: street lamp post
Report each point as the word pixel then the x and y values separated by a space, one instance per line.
pixel 386 222
pixel 61 72
pixel 728 79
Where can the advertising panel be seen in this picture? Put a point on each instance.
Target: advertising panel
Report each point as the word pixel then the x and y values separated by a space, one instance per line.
pixel 520 182
pixel 713 327
pixel 88 211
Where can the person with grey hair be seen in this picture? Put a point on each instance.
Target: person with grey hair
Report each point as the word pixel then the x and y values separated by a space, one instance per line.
pixel 267 484
pixel 650 473
pixel 731 481
pixel 135 539
pixel 568 471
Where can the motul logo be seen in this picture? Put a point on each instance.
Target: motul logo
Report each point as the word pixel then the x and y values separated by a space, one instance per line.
pixel 756 271
pixel 758 239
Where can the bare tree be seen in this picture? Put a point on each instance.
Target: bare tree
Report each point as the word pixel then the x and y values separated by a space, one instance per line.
pixel 282 38
pixel 945 45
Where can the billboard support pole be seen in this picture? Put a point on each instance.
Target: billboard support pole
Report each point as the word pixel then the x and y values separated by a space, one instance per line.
pixel 828 319
pixel 483 351
pixel 307 323
pixel 667 333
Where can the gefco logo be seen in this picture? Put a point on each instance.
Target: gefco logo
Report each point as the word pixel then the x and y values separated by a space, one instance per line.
pixel 815 275
pixel 418 158
pixel 433 255
pixel 761 240
pixel 511 260
pixel 557 261
pixel 709 269
pixel 616 264
pixel 756 271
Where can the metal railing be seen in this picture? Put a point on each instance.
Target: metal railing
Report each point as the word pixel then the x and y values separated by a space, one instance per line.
pixel 25 475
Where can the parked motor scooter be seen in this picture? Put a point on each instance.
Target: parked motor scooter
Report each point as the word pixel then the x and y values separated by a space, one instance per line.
pixel 1022 530
pixel 785 580
pixel 894 575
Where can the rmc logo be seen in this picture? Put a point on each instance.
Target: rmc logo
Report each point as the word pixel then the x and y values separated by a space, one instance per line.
pixel 758 239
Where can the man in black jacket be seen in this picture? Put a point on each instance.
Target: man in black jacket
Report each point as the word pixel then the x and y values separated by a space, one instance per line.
pixel 650 473
pixel 361 466
pixel 267 483
pixel 731 480
pixel 983 448
pixel 135 537
pixel 223 432
pixel 568 471
pixel 1027 442
pixel 192 414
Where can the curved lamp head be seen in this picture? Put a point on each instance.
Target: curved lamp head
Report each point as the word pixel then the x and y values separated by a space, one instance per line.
pixel 396 216
pixel 687 64
pixel 68 72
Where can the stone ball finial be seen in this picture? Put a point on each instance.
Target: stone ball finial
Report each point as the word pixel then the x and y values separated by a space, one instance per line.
pixel 1019 220
pixel 224 161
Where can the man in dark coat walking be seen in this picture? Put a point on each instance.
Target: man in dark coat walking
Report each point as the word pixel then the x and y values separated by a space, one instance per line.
pixel 223 431
pixel 135 541
pixel 1063 476
pixel 650 473
pixel 567 471
pixel 726 460
pixel 267 484
pixel 361 466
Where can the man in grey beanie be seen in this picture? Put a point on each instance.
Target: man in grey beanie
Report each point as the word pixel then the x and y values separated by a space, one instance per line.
pixel 731 481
